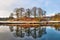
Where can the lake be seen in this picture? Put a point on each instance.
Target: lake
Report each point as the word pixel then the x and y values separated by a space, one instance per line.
pixel 40 33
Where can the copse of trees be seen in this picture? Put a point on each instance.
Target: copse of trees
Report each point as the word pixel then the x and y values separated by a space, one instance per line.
pixel 35 12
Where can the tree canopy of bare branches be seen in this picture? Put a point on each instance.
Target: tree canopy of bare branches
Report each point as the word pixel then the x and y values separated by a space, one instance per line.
pixel 28 12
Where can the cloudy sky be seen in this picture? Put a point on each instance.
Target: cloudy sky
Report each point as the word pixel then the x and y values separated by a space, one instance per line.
pixel 7 6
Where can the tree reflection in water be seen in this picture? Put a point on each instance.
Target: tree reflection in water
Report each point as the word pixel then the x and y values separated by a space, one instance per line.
pixel 34 35
pixel 35 32
pixel 17 31
pixel 28 32
pixel 21 34
pixel 11 28
pixel 41 31
pixel 57 28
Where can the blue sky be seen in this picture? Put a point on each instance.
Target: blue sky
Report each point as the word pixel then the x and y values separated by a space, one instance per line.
pixel 50 6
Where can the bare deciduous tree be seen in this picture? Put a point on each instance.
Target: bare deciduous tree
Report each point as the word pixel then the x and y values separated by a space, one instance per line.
pixel 40 11
pixel 28 12
pixel 21 10
pixel 34 11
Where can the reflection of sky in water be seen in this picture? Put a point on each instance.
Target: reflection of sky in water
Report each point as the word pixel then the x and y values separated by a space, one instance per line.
pixel 52 34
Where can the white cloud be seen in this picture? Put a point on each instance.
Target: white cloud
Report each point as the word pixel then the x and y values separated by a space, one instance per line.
pixel 4 5
pixel 4 13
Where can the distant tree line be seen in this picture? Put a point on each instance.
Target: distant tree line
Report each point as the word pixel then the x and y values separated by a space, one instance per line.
pixel 4 19
pixel 56 17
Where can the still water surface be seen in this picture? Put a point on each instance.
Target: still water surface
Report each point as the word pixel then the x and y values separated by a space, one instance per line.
pixel 41 33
